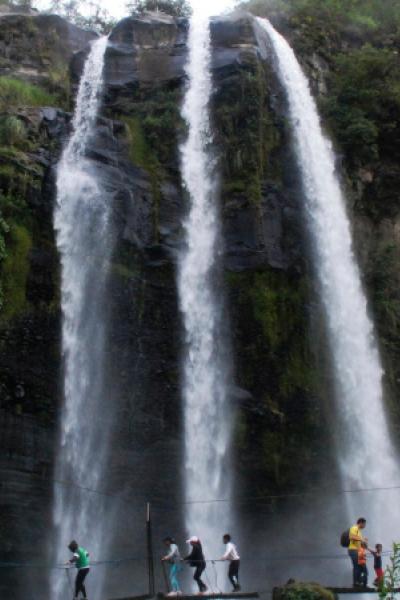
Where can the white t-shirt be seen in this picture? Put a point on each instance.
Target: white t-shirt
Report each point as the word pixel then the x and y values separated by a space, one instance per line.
pixel 173 555
pixel 231 552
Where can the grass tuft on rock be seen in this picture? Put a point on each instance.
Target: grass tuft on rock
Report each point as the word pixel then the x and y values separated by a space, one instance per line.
pixel 15 93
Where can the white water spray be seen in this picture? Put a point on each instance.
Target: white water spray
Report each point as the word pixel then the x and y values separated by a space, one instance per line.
pixel 365 453
pixel 206 413
pixel 81 222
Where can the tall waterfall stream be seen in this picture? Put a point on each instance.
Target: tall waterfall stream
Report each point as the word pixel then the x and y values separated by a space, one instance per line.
pixel 81 222
pixel 365 453
pixel 207 416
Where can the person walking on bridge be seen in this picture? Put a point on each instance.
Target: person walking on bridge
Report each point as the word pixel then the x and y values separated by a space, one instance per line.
pixel 196 560
pixel 173 557
pixel 356 539
pixel 80 559
pixel 232 555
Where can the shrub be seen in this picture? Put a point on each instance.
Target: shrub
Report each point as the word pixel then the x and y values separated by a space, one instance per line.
pixel 305 591
pixel 15 93
pixel 12 131
pixel 363 101
pixel 175 8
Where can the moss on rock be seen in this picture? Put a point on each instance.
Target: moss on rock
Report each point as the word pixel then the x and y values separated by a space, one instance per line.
pixel 276 364
pixel 246 132
pixel 15 271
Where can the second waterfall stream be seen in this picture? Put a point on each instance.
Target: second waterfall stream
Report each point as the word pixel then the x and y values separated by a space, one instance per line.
pixel 365 453
pixel 82 224
pixel 207 418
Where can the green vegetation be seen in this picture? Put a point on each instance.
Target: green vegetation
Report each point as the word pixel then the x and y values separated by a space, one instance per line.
pixel 305 591
pixel 365 14
pixel 4 229
pixel 154 121
pixel 98 19
pixel 15 245
pixel 161 122
pixel 139 150
pixel 391 579
pixel 363 103
pixel 175 8
pixel 12 131
pixel 275 363
pixel 245 131
pixel 15 93
pixel 59 84
pixel 15 270
pixel 142 155
pixel 277 308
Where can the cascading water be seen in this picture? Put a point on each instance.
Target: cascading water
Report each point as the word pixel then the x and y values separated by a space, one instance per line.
pixel 365 453
pixel 82 226
pixel 206 369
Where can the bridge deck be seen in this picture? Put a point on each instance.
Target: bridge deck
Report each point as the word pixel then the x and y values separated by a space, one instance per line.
pixel 357 590
pixel 239 595
pixel 161 596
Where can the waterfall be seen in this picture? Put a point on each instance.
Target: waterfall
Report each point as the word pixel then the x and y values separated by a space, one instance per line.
pixel 81 222
pixel 207 416
pixel 364 449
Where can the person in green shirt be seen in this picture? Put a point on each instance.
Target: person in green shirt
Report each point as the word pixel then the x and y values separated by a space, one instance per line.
pixel 80 559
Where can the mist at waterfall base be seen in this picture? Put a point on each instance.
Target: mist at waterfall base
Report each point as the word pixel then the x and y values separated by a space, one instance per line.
pixel 206 369
pixel 84 240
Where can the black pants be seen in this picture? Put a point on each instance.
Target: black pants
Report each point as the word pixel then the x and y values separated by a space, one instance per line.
pixel 233 572
pixel 197 577
pixel 79 585
pixel 354 559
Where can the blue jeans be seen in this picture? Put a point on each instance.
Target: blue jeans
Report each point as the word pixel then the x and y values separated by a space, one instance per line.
pixel 174 569
pixel 354 559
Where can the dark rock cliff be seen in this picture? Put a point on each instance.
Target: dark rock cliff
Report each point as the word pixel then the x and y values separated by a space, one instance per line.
pixel 281 439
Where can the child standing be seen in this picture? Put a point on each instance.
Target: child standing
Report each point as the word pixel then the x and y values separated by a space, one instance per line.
pixel 362 565
pixel 377 553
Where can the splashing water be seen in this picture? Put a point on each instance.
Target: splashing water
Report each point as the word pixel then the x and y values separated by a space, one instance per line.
pixel 365 453
pixel 82 226
pixel 206 368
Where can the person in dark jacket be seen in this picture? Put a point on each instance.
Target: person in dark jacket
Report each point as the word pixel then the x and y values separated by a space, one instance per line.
pixel 196 560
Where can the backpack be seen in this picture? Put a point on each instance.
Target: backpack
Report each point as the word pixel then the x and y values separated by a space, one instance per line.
pixel 345 539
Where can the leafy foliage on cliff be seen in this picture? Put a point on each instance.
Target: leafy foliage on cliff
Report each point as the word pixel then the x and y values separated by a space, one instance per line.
pixel 175 8
pixel 88 15
pixel 368 14
pixel 364 101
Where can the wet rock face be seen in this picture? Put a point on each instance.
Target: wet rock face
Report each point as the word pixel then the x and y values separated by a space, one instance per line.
pixel 148 50
pixel 38 47
pixel 135 153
